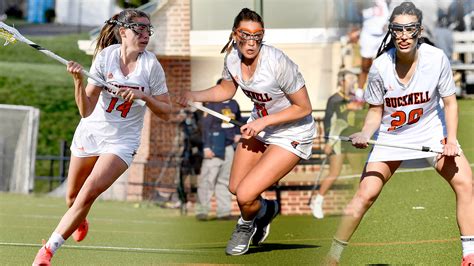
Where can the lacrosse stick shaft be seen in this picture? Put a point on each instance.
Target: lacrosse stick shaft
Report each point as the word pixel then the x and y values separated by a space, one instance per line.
pixel 216 114
pixel 15 35
pixel 400 146
pixel 113 88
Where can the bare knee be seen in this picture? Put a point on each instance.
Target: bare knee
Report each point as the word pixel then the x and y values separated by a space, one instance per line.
pixel 359 205
pixel 70 200
pixel 232 189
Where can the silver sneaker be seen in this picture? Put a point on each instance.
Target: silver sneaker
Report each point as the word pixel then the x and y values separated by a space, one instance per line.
pixel 240 240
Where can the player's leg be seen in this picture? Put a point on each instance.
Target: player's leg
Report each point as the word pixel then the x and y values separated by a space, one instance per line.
pixel 106 170
pixel 206 182
pixel 247 155
pixel 457 172
pixel 374 177
pixel 79 169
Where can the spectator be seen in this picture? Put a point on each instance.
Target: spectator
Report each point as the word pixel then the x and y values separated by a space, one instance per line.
pixel 219 139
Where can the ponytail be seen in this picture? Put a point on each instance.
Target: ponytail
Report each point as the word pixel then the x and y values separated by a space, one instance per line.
pixel 228 45
pixel 108 35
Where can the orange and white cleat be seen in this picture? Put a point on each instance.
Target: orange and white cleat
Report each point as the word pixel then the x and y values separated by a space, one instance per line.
pixel 468 260
pixel 81 231
pixel 43 257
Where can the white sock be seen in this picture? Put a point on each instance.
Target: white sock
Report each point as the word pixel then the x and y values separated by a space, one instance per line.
pixel 467 245
pixel 337 247
pixel 55 241
pixel 263 208
pixel 242 221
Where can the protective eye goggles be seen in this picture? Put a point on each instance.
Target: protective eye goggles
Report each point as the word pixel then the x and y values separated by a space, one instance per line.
pixel 136 27
pixel 140 28
pixel 248 35
pixel 411 29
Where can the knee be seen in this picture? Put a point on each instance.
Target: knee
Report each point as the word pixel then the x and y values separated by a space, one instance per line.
pixel 232 189
pixel 463 186
pixel 244 198
pixel 70 199
pixel 359 205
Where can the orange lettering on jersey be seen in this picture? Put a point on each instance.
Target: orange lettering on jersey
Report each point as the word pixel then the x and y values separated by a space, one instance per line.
pixel 410 99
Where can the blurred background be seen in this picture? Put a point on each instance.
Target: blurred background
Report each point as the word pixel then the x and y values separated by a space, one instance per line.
pixel 320 36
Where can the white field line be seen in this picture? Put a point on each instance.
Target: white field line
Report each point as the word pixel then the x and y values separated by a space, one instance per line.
pixel 128 249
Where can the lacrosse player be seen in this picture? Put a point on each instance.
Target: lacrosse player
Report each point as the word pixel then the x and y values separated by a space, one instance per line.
pixel 339 119
pixel 282 114
pixel 412 101
pixel 108 134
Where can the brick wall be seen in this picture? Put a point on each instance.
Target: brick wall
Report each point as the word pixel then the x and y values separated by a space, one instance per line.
pixel 155 165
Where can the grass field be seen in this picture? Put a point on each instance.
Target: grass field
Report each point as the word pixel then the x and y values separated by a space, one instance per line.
pixel 413 222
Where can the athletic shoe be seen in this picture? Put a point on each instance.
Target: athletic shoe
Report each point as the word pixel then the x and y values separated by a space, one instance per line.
pixel 317 207
pixel 240 240
pixel 201 217
pixel 263 223
pixel 468 260
pixel 81 231
pixel 43 257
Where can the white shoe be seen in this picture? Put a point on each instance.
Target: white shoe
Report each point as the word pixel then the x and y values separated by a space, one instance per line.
pixel 317 206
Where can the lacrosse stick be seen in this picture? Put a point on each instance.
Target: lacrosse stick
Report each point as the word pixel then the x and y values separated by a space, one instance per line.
pixel 394 145
pixel 11 35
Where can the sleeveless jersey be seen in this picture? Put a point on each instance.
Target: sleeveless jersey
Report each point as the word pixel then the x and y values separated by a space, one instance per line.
pixel 275 77
pixel 413 114
pixel 114 119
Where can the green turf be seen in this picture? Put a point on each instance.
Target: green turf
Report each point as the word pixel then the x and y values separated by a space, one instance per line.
pixel 393 232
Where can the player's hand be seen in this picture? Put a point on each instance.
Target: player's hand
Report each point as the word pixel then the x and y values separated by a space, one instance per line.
pixel 208 153
pixel 184 98
pixel 129 94
pixel 451 149
pixel 359 140
pixel 253 128
pixel 75 69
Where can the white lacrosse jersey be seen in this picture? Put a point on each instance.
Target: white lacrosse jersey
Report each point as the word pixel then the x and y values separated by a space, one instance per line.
pixel 413 114
pixel 275 77
pixel 114 119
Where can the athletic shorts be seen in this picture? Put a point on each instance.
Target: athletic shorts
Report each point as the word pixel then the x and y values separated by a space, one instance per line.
pixel 85 144
pixel 302 148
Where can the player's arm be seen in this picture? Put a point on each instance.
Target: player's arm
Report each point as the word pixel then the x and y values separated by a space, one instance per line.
pixel 371 125
pixel 218 93
pixel 160 105
pixel 87 98
pixel 451 114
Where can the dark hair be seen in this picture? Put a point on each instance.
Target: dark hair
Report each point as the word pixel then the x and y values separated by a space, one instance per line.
pixel 109 33
pixel 244 14
pixel 405 8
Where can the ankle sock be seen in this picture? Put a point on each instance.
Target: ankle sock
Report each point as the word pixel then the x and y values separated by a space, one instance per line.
pixel 467 245
pixel 337 247
pixel 55 241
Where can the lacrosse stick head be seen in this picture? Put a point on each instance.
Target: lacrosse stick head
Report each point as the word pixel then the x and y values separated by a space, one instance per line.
pixel 10 34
